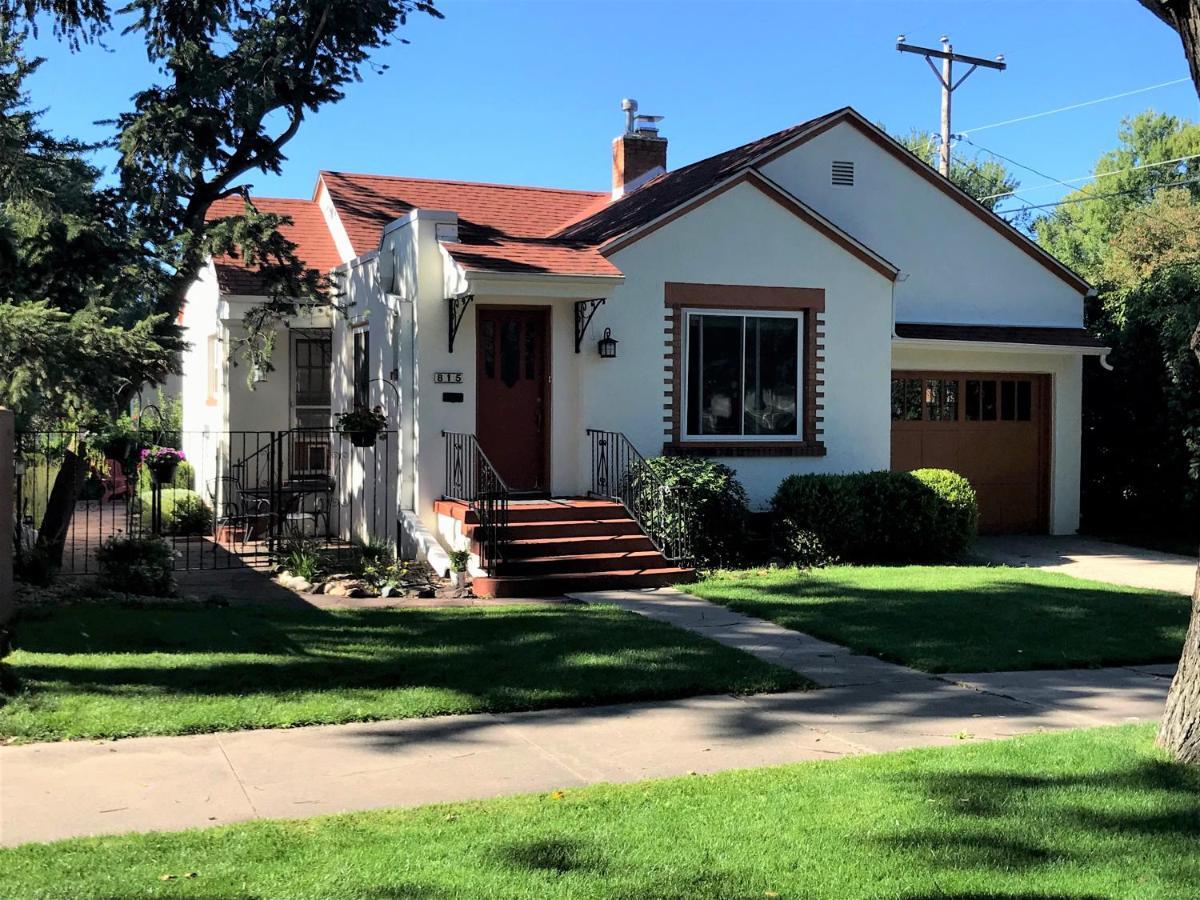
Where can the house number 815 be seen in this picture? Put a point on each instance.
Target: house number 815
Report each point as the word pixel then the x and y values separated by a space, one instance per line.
pixel 447 377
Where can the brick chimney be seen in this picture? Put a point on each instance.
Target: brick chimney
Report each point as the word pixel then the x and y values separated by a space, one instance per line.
pixel 639 154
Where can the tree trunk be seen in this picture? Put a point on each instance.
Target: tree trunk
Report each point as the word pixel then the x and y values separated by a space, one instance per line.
pixel 60 506
pixel 1179 733
pixel 1180 729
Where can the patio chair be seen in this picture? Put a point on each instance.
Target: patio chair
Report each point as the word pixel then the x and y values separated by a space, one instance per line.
pixel 114 481
pixel 239 516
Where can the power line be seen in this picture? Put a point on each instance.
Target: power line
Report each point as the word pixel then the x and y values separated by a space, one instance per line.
pixel 1008 159
pixel 1061 109
pixel 1091 197
pixel 1070 181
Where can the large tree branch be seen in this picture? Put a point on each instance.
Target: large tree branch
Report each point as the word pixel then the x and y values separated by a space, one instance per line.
pixel 1184 17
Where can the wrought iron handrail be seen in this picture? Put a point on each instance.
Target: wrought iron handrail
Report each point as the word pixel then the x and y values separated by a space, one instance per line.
pixel 621 473
pixel 472 479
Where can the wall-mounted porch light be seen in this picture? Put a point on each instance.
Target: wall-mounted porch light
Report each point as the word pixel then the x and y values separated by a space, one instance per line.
pixel 608 345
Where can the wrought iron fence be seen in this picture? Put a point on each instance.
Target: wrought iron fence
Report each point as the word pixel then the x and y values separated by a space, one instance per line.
pixel 472 479
pixel 237 498
pixel 619 472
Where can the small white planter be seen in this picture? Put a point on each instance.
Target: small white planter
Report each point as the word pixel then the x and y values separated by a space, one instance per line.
pixel 458 579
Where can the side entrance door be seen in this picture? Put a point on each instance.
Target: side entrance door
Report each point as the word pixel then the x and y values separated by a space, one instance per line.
pixel 512 403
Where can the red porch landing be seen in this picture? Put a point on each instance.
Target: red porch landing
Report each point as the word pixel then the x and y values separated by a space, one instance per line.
pixel 572 544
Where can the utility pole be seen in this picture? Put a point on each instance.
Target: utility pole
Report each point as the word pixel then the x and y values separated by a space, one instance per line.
pixel 946 78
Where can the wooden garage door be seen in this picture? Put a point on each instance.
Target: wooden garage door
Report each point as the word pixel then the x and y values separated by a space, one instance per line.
pixel 994 428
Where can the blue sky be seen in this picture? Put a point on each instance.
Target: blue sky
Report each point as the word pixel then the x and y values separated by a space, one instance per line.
pixel 528 91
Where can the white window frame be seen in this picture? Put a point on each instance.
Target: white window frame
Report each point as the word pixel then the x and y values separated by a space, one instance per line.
pixel 685 340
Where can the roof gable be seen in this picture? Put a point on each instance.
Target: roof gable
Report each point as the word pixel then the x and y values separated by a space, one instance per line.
pixel 780 196
pixel 658 197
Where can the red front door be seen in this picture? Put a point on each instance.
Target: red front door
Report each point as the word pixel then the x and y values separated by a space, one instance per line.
pixel 513 397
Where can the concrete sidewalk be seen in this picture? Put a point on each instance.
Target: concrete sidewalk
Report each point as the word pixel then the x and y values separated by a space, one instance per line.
pixel 51 791
pixel 1084 557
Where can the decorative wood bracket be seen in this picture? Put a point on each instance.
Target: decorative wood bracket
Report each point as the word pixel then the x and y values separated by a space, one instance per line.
pixel 458 308
pixel 584 310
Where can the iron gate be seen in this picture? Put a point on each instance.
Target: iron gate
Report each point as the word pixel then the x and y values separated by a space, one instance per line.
pixel 237 498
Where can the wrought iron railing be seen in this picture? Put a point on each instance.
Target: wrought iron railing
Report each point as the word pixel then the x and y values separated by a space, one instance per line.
pixel 472 479
pixel 621 473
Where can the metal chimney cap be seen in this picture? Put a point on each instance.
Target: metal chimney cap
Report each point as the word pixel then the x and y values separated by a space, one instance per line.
pixel 628 105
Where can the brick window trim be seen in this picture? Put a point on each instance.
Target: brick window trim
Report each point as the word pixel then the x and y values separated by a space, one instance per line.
pixel 679 296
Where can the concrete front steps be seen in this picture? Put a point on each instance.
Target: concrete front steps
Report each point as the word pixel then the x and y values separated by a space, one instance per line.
pixel 576 544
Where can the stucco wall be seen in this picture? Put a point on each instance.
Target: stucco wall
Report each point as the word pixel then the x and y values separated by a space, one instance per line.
pixel 955 267
pixel 366 481
pixel 744 237
pixel 1066 371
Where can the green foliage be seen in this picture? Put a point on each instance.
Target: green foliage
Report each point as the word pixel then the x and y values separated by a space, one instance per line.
pixel 1078 233
pixel 184 512
pixel 303 556
pixel 878 516
pixel 377 565
pixel 712 507
pixel 137 565
pixel 74 327
pixel 1141 422
pixel 459 560
pixel 955 515
pixel 987 180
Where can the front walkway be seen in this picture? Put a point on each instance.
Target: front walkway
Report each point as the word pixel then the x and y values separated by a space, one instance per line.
pixel 1090 558
pixel 50 791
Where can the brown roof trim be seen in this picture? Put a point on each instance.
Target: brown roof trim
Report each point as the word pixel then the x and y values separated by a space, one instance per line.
pixel 756 179
pixel 965 200
pixel 1000 334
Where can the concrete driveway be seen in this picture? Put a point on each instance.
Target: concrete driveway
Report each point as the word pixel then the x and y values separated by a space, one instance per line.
pixel 1089 558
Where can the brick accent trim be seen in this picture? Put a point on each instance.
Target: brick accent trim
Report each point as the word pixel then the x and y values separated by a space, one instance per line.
pixel 808 301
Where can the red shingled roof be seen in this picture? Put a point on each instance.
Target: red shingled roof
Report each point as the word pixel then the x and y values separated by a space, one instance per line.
pixel 307 230
pixel 501 227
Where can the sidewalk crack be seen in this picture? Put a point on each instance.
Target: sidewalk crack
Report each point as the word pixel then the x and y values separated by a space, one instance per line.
pixel 238 778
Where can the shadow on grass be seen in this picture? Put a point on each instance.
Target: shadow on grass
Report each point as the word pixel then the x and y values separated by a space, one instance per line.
pixel 1005 821
pixel 356 665
pixel 965 622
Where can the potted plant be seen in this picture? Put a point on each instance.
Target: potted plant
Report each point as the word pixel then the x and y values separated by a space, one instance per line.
pixel 162 463
pixel 362 425
pixel 458 567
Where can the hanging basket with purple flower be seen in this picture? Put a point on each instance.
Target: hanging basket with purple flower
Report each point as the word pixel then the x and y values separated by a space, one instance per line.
pixel 162 463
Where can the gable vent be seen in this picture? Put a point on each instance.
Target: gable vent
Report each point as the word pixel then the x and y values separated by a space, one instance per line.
pixel 843 173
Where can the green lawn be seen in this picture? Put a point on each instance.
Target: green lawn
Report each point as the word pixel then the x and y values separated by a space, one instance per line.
pixel 95 671
pixel 1081 814
pixel 963 618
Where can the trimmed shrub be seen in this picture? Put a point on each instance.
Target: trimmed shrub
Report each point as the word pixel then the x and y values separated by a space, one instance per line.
pixel 713 511
pixel 920 516
pixel 956 514
pixel 183 511
pixel 136 565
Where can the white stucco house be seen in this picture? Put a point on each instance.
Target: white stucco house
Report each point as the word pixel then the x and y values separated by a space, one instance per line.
pixel 818 300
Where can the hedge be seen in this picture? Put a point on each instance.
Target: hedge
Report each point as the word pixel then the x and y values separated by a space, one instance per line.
pixel 922 516
pixel 712 508
pixel 183 511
